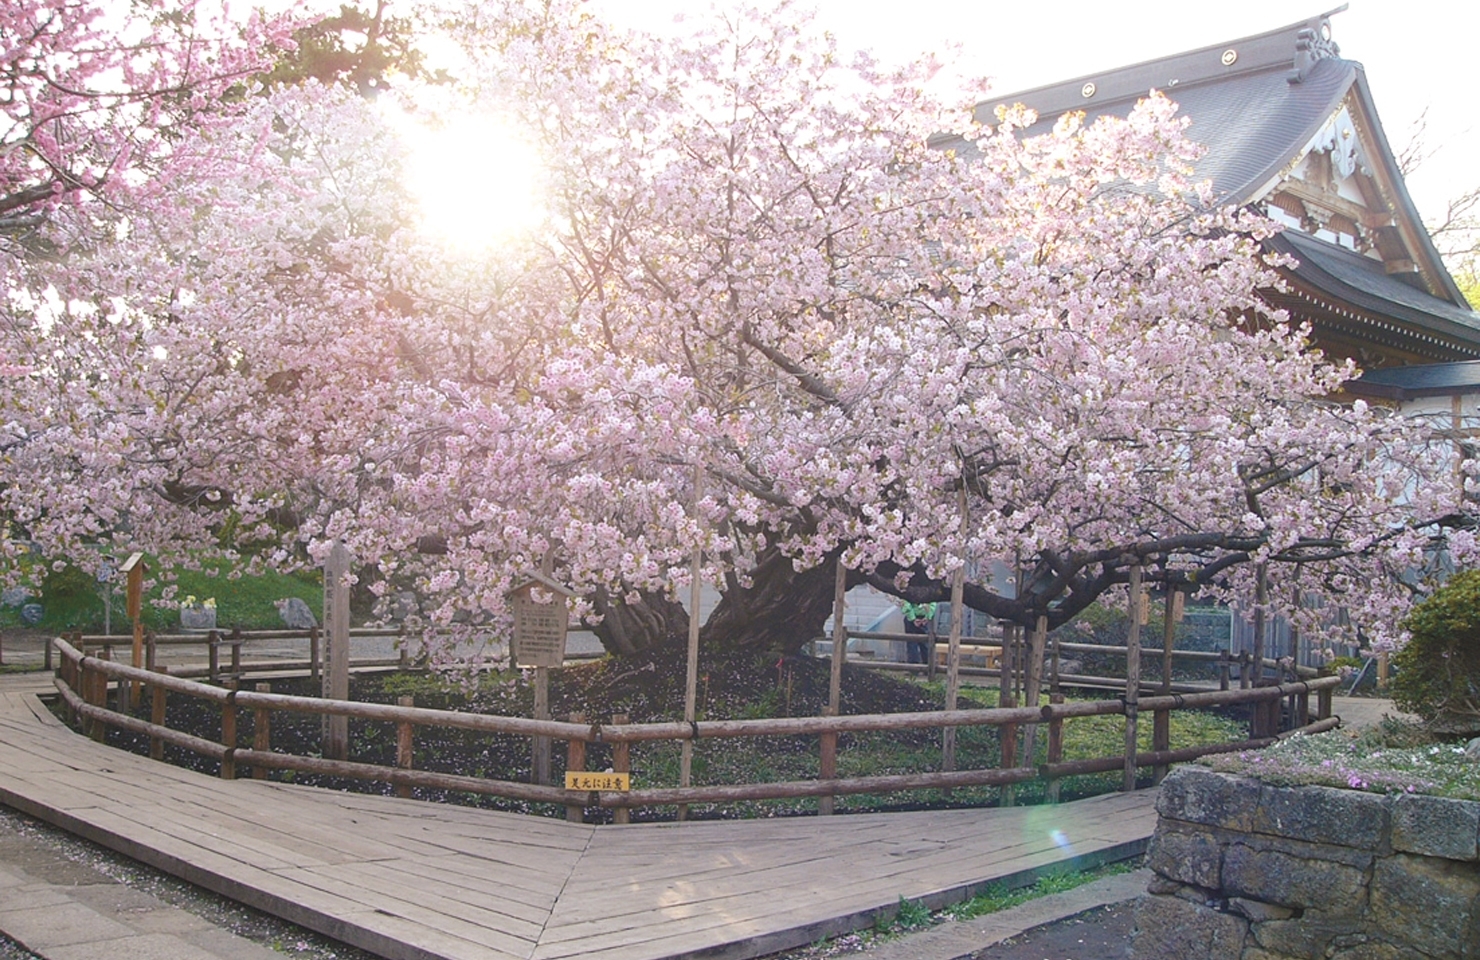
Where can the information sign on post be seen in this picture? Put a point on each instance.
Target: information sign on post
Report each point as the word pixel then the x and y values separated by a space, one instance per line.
pixel 539 627
pixel 539 642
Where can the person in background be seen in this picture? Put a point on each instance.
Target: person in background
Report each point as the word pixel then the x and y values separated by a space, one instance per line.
pixel 917 618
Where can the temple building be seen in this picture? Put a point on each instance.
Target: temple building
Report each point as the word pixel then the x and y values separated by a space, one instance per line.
pixel 1291 130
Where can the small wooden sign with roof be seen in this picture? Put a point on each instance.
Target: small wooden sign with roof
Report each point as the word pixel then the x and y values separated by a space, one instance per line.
pixel 539 628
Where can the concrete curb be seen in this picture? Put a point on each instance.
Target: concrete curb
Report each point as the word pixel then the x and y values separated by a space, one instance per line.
pixel 952 941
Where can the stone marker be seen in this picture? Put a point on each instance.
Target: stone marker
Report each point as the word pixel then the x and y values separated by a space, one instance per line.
pixel 296 614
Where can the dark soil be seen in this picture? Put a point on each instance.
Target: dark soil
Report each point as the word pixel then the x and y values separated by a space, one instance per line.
pixel 1103 933
pixel 734 685
pixel 731 685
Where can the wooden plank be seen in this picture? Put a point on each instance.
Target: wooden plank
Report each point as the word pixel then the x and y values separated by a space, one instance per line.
pixel 483 904
pixel 520 900
pixel 410 879
pixel 460 919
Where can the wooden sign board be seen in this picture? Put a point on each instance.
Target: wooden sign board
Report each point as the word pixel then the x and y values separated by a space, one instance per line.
pixel 539 628
pixel 539 631
pixel 134 567
pixel 611 782
pixel 1179 605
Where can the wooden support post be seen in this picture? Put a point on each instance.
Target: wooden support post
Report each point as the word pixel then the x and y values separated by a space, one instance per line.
pixel 93 728
pixel 100 695
pixel 1323 703
pixel 151 650
pixel 691 672
pixel 930 654
pixel 1005 662
pixel 1007 743
pixel 336 629
pixel 405 738
pixel 1161 739
pixel 213 645
pixel 1055 745
pixel 540 762
pixel 1260 726
pixel 953 646
pixel 1174 606
pixel 1382 673
pixel 1261 600
pixel 621 763
pixel 827 766
pixel 158 702
pixel 261 732
pixel 228 734
pixel 1132 677
pixel 48 664
pixel 68 672
pixel 236 652
pixel 839 639
pixel 575 762
pixel 1224 670
pixel 133 570
pixel 1034 688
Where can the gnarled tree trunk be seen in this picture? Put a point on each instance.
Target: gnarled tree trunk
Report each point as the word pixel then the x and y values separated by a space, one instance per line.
pixel 629 628
pixel 780 610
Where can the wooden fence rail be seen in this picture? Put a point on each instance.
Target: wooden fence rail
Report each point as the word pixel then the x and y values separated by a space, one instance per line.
pixel 233 641
pixel 1223 657
pixel 82 683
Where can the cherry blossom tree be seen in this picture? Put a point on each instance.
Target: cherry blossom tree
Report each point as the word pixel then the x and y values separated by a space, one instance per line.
pixel 763 316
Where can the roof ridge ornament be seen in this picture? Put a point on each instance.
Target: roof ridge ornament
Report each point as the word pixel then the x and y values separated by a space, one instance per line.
pixel 1313 44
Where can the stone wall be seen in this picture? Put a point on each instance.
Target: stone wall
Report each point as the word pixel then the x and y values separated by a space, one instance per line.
pixel 1248 871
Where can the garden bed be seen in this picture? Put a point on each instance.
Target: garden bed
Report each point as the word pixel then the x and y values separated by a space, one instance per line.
pixel 737 686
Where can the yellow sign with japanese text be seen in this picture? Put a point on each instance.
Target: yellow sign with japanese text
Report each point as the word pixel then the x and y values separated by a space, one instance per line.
pixel 582 780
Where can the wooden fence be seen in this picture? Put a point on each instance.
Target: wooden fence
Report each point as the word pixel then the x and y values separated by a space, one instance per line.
pixel 1224 661
pixel 233 642
pixel 83 681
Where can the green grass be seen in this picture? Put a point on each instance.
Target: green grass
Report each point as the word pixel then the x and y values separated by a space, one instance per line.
pixel 1000 897
pixel 882 754
pixel 72 600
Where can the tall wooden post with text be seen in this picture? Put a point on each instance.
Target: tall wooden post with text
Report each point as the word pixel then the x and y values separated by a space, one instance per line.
pixel 133 570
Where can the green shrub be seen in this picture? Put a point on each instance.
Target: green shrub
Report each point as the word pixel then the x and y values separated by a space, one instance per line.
pixel 1438 672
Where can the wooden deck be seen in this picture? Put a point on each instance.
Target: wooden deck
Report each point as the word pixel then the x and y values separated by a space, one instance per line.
pixel 407 879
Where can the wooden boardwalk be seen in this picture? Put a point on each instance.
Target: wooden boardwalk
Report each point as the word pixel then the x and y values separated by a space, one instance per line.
pixel 408 879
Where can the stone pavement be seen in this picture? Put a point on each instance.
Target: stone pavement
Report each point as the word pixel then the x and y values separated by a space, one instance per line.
pixel 1359 713
pixel 62 909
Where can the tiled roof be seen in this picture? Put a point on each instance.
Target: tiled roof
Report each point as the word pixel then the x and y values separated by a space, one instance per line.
pixel 1256 104
pixel 1252 118
pixel 1362 282
pixel 1428 379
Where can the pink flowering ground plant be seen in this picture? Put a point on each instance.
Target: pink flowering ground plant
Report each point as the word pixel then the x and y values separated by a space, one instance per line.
pixel 1385 760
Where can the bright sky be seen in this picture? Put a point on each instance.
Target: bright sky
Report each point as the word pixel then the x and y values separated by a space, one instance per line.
pixel 1418 53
